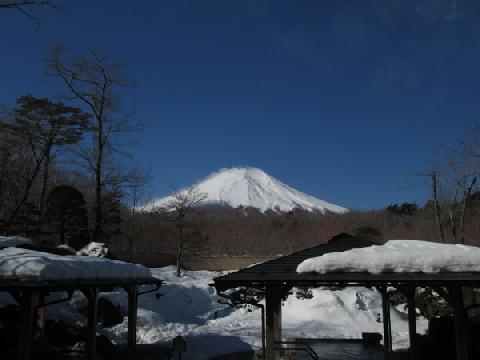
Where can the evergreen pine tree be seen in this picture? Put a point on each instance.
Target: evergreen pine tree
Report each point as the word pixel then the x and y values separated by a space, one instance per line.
pixel 67 215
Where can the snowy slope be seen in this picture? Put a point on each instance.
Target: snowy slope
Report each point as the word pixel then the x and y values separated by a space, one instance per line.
pixel 252 187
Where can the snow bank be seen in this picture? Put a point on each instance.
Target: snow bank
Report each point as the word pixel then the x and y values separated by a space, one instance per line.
pixel 8 241
pixel 23 265
pixel 93 249
pixel 398 256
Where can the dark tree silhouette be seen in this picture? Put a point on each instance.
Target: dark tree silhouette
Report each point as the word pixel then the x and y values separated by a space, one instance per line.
pixel 67 215
pixel 111 219
pixel 43 127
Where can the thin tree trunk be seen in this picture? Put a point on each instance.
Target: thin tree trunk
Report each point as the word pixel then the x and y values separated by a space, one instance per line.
pixel 98 232
pixel 3 171
pixel 132 227
pixel 466 197
pixel 180 245
pixel 438 213
pixel 453 226
pixel 43 193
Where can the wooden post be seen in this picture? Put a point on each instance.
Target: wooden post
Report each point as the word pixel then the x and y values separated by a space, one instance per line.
pixel 461 333
pixel 92 295
pixel 387 337
pixel 263 331
pixel 28 304
pixel 132 322
pixel 273 301
pixel 412 318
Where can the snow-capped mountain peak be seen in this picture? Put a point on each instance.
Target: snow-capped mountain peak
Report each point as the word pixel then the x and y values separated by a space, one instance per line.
pixel 252 187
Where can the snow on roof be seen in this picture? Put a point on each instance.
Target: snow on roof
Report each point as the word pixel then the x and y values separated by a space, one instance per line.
pixel 8 241
pixel 28 265
pixel 398 256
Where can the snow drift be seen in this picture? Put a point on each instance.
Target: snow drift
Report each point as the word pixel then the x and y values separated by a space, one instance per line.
pixel 252 187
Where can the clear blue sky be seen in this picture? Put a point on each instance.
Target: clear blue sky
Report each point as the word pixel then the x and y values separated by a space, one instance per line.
pixel 339 99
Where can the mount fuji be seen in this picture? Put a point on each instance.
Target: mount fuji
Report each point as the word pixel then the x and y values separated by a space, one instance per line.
pixel 252 187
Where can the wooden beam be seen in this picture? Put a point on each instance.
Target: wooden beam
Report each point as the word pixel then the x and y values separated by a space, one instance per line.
pixel 28 303
pixel 92 295
pixel 387 336
pixel 412 318
pixel 132 321
pixel 273 319
pixel 461 332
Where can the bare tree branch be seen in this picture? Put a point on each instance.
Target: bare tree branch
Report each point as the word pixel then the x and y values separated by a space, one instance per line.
pixel 24 7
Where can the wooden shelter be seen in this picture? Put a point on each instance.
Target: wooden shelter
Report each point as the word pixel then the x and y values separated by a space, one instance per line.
pixel 277 277
pixel 30 294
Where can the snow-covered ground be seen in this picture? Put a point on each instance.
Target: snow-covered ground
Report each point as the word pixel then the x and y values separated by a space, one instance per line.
pixel 188 306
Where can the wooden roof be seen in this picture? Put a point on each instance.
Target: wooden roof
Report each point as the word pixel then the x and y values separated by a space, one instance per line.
pixel 284 270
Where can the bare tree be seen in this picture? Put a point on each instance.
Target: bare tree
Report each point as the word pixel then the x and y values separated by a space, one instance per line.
pixel 436 204
pixel 467 170
pixel 95 81
pixel 182 203
pixel 453 182
pixel 136 195
pixel 25 6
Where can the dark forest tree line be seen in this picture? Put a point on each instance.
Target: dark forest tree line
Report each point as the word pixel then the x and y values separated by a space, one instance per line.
pixel 247 232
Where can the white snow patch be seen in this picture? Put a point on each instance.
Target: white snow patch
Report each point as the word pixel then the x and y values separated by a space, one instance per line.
pixel 93 249
pixel 252 187
pixel 10 241
pixel 23 265
pixel 398 256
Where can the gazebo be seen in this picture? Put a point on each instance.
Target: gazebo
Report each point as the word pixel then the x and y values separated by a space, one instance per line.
pixel 277 277
pixel 29 276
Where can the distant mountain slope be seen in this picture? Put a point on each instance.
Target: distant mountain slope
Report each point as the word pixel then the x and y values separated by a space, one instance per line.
pixel 252 187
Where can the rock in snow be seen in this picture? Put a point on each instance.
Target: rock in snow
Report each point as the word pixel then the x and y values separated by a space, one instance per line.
pixel 398 256
pixel 252 187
